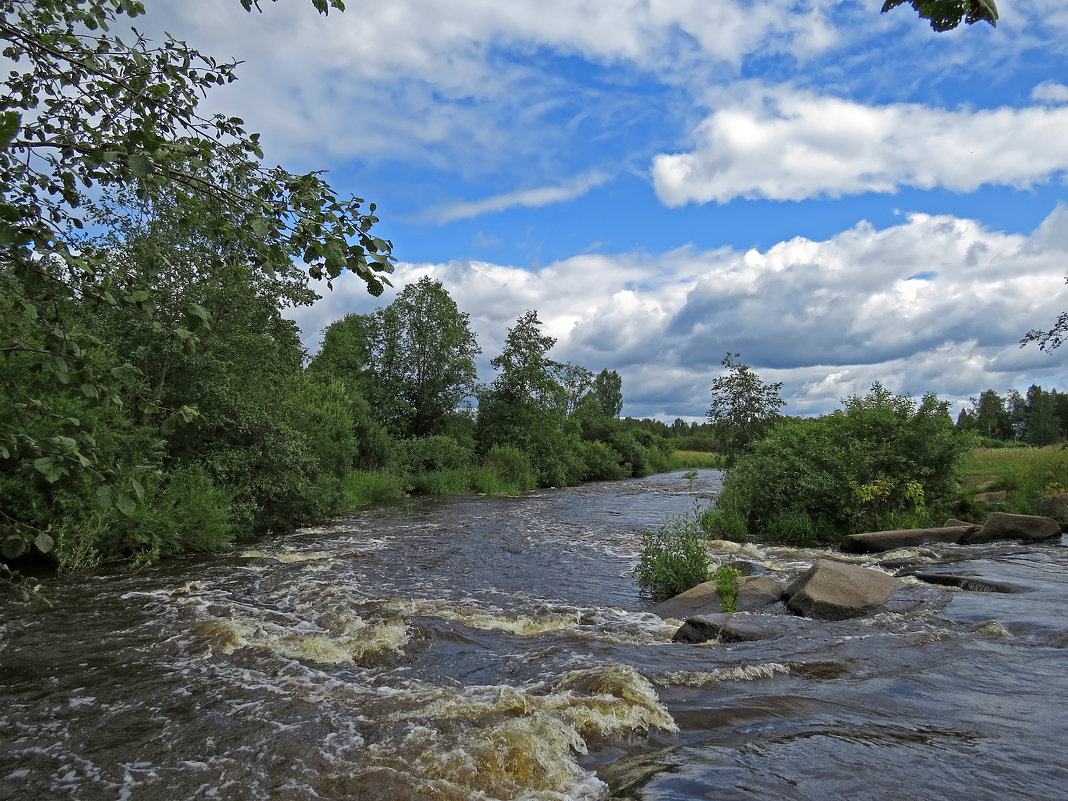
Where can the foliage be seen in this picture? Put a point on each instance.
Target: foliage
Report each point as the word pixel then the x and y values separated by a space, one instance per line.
pixel 83 112
pixel 674 557
pixel 945 15
pixel 1024 473
pixel 885 461
pixel 608 391
pixel 744 408
pixel 725 577
pixel 364 488
pixel 510 466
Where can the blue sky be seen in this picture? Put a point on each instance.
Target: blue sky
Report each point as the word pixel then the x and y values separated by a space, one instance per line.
pixel 840 195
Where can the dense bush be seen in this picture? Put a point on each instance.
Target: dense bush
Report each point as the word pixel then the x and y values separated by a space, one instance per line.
pixel 885 461
pixel 674 557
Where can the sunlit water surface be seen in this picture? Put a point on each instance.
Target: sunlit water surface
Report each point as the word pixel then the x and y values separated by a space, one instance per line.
pixel 498 648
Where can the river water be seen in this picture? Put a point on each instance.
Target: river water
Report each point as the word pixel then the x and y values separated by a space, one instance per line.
pixel 498 648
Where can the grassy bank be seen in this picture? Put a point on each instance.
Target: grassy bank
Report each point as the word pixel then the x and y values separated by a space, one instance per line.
pixel 699 460
pixel 1023 474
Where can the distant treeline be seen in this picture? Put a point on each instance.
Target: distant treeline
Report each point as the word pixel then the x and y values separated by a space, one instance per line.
pixel 1038 417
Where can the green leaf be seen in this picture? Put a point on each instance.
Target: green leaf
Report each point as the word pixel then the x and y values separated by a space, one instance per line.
pixel 140 164
pixel 137 488
pixel 13 546
pixel 10 122
pixel 125 503
pixel 105 496
pixel 43 542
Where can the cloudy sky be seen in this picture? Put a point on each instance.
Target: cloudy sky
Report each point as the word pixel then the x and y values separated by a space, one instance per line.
pixel 841 196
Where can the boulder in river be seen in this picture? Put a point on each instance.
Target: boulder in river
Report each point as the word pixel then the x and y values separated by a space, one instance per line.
pixel 756 593
pixel 1005 526
pixel 700 600
pixel 836 591
pixel 733 628
pixel 877 541
pixel 753 594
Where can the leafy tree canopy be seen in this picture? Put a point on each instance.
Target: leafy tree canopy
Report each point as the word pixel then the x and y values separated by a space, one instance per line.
pixel 85 110
pixel 744 408
pixel 945 15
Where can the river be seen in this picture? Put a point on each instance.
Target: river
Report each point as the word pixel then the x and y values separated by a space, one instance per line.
pixel 498 648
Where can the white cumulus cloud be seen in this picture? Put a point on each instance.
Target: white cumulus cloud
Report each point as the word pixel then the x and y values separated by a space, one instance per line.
pixel 783 144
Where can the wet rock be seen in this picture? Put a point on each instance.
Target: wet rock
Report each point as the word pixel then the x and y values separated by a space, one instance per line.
pixel 966 582
pixel 837 591
pixel 1005 526
pixel 1055 506
pixel 729 628
pixel 877 541
pixel 955 522
pixel 725 628
pixel 756 593
pixel 700 600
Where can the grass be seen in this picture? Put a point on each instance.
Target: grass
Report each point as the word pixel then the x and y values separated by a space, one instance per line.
pixel 364 488
pixel 1023 473
pixel 725 577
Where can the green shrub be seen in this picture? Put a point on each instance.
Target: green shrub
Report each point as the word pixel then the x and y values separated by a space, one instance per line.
pixel 442 482
pixel 602 463
pixel 511 467
pixel 181 512
pixel 885 461
pixel 674 557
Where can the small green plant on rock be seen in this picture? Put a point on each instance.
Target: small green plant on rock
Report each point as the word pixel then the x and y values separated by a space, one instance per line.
pixel 725 577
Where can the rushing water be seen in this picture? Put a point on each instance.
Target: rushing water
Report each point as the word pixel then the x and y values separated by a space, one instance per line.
pixel 497 648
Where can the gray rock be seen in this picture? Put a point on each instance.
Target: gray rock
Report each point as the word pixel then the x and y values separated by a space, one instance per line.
pixel 837 591
pixel 756 593
pixel 723 627
pixel 991 497
pixel 1055 506
pixel 1005 526
pixel 741 628
pixel 700 600
pixel 878 541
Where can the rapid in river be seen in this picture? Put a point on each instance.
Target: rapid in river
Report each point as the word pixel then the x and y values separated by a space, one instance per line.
pixel 498 648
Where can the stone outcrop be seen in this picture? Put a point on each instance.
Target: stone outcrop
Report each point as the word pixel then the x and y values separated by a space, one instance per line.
pixel 725 628
pixel 878 541
pixel 836 591
pixel 756 593
pixel 1005 526
pixel 753 594
pixel 700 600
pixel 991 497
pixel 1055 506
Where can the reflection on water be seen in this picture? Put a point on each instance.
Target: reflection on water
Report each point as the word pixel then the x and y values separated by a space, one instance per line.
pixel 482 648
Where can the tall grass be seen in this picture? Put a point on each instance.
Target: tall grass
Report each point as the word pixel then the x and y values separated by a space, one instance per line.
pixel 1024 473
pixel 701 460
pixel 364 488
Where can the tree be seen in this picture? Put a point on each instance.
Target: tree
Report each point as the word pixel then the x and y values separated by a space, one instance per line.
pixel 1041 424
pixel 525 406
pixel 422 359
pixel 608 389
pixel 990 417
pixel 945 15
pixel 743 408
pixel 85 110
pixel 575 380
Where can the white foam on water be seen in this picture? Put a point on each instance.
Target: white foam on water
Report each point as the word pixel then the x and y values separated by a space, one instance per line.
pixel 701 678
